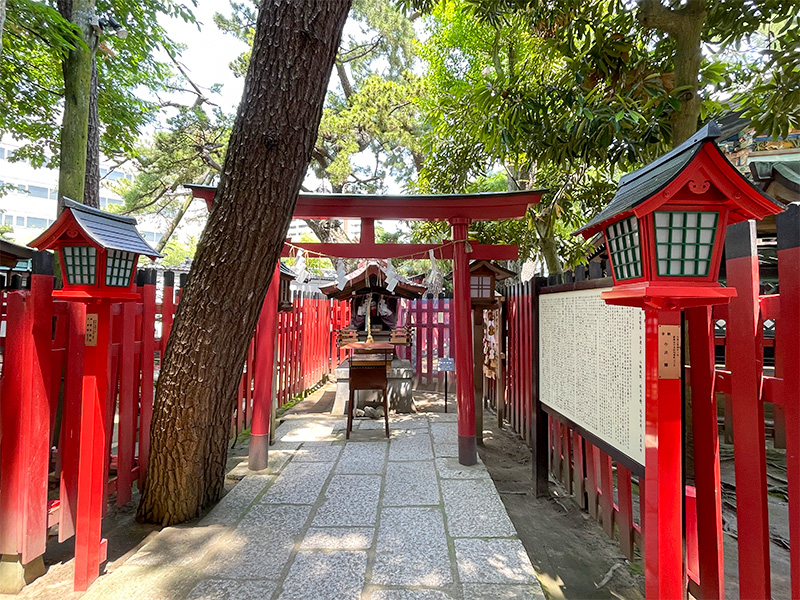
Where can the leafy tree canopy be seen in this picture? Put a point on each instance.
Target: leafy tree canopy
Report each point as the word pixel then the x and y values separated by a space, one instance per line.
pixel 35 40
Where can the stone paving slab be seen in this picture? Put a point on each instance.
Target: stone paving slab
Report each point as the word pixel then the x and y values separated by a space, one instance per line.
pixel 363 458
pixel 368 519
pixel 142 583
pixel 178 546
pixel 413 594
pixel 261 545
pixel 450 468
pixel 312 452
pixel 325 576
pixel 298 483
pixel 412 548
pixel 474 509
pixel 411 484
pixel 229 589
pixel 411 447
pixel 338 538
pixel 350 500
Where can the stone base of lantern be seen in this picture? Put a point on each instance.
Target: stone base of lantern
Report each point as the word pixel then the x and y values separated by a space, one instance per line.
pixel 14 575
pixel 398 389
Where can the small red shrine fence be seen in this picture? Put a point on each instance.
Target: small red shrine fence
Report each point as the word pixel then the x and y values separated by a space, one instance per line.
pixel 595 478
pixel 431 321
pixel 39 439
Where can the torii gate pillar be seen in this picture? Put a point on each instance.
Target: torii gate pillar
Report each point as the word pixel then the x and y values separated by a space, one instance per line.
pixel 465 394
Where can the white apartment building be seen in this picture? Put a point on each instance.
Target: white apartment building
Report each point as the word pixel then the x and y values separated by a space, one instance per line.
pixel 30 202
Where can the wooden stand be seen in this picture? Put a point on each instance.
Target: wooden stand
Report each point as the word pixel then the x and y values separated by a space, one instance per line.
pixel 369 369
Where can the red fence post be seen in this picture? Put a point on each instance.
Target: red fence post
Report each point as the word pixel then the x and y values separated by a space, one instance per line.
pixel 264 376
pixel 128 405
pixel 147 359
pixel 744 356
pixel 706 452
pixel 788 329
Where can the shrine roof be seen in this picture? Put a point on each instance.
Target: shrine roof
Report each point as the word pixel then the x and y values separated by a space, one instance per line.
pixel 489 206
pixel 639 186
pixel 108 230
pixel 360 282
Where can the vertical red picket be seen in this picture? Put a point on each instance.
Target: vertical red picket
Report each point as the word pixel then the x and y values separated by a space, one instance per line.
pixel 607 494
pixel 744 356
pixel 625 514
pixel 147 358
pixel 788 330
pixel 71 421
pixel 128 405
pixel 708 500
pixel 167 309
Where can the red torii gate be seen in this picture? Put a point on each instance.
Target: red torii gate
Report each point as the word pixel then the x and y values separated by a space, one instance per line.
pixel 459 210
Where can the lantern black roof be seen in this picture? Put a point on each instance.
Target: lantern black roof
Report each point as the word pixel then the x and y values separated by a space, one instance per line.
pixel 114 232
pixel 634 188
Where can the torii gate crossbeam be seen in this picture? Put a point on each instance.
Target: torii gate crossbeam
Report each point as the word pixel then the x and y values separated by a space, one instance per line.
pixel 459 210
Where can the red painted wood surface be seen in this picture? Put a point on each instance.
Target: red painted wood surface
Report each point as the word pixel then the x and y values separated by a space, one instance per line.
pixel 708 497
pixel 788 350
pixel 744 360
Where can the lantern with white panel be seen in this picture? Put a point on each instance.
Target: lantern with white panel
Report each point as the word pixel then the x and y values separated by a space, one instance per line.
pixel 665 233
pixel 98 253
pixel 665 227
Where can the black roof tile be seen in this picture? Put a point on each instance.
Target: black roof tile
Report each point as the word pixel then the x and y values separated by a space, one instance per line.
pixel 115 232
pixel 634 188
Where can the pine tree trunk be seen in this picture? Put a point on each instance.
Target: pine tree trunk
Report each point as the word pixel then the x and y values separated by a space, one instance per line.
pixel 269 150
pixel 77 69
pixel 2 23
pixel 91 192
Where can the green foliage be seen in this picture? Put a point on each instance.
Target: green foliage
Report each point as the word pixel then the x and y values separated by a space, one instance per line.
pixel 176 252
pixel 35 42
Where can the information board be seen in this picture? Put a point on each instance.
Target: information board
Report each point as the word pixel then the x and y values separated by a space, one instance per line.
pixel 592 366
pixel 446 364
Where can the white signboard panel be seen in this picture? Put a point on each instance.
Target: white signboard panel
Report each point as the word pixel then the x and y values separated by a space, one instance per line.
pixel 592 366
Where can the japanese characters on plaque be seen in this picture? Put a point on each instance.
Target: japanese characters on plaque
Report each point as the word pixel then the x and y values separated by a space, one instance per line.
pixel 592 366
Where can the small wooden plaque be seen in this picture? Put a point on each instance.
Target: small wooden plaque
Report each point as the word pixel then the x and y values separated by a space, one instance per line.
pixel 91 329
pixel 669 352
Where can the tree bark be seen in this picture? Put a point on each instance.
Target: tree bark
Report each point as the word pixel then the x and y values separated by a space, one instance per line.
pixel 77 69
pixel 2 23
pixel 270 147
pixel 91 192
pixel 685 27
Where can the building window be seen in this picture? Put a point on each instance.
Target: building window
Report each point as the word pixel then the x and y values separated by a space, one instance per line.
pixel 624 248
pixel 119 266
pixel 684 242
pixel 53 194
pixel 20 221
pixel 37 223
pixel 2 152
pixel 8 219
pixel 81 263
pixel 115 201
pixel 37 191
pixel 481 287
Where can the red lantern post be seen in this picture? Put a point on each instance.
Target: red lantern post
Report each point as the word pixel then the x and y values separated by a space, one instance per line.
pixel 98 252
pixel 665 232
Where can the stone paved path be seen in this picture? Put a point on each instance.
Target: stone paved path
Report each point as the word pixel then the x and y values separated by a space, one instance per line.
pixel 367 519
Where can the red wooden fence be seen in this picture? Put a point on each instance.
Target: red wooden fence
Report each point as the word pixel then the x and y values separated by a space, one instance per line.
pixel 431 322
pixel 41 383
